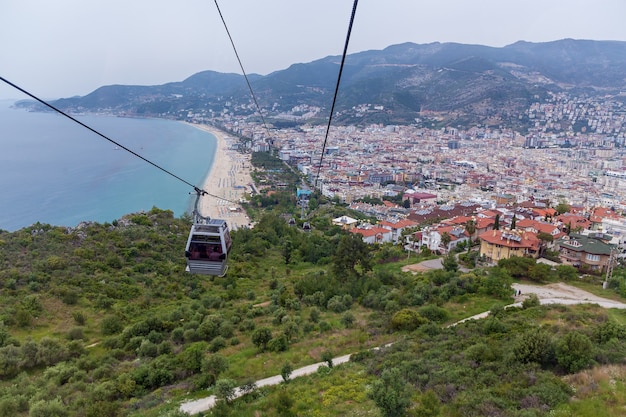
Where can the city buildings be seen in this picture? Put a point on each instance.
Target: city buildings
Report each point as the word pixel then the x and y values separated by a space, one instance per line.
pixel 573 155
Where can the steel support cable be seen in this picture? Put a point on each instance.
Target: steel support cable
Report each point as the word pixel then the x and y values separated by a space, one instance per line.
pixel 61 112
pixel 256 103
pixel 332 109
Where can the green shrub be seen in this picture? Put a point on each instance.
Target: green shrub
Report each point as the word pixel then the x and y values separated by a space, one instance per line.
pixel 481 352
pixel 434 313
pixel 347 319
pixel 407 319
pixel 8 407
pixel 217 344
pixel 76 333
pixel 155 336
pixel 339 304
pixel 314 315
pixel 79 318
pixel 102 409
pixel 192 357
pixel 191 335
pixel 70 297
pixel 609 330
pixel 54 262
pixel 213 366
pixel 9 361
pixel 141 219
pixel 324 326
pixel 178 335
pixel 227 329
pixel 23 318
pixel 111 325
pixel 52 408
pixel 134 343
pixel 278 344
pixel 51 351
pixel 261 337
pixel 531 301
pixel 391 393
pixel 534 345
pixel 148 349
pixel 247 325
pixel 574 351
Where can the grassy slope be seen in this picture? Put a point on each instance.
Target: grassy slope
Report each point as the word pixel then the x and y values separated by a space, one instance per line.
pixel 66 285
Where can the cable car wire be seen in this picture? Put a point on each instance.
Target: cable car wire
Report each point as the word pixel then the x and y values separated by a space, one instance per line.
pixel 256 103
pixel 197 190
pixel 332 109
pixel 61 112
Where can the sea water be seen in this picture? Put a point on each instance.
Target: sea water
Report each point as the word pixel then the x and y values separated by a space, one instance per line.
pixel 52 170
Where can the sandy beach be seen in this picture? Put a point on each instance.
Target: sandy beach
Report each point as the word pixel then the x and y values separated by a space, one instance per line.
pixel 227 182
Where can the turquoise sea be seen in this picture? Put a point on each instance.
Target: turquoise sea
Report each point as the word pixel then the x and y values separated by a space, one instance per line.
pixel 55 171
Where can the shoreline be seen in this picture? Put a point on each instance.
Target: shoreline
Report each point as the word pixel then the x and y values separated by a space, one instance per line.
pixel 228 178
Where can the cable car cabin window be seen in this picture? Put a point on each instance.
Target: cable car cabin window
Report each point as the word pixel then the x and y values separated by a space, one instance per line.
pixel 206 251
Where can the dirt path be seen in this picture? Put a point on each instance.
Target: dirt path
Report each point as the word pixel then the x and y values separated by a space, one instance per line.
pixel 558 293
pixel 565 294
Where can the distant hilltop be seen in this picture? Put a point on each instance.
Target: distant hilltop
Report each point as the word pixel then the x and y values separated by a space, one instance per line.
pixel 464 84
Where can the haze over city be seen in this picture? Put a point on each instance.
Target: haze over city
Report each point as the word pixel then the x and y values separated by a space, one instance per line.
pixel 70 48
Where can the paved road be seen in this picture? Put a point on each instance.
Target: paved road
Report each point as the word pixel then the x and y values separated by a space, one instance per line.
pixel 548 294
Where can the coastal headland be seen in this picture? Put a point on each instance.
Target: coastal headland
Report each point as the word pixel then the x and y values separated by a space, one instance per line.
pixel 228 181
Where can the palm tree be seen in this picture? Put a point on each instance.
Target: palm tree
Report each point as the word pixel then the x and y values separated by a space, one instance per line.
pixel 470 228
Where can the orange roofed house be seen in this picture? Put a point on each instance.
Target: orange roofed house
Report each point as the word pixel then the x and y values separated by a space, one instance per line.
pixel 397 227
pixel 502 244
pixel 373 234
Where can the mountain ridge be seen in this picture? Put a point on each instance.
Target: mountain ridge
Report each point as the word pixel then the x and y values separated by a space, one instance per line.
pixel 475 81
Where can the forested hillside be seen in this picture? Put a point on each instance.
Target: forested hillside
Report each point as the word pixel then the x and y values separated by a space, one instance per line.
pixel 102 320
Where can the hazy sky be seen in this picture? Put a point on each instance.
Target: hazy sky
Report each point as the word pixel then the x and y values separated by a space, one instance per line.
pixel 63 48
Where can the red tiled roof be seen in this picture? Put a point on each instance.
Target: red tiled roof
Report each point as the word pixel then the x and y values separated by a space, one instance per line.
pixel 406 223
pixel 400 224
pixel 574 220
pixel 498 237
pixel 539 226
pixel 448 229
pixel 544 211
pixel 524 223
pixel 373 231
pixel 603 212
pixel 460 220
pixel 483 223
